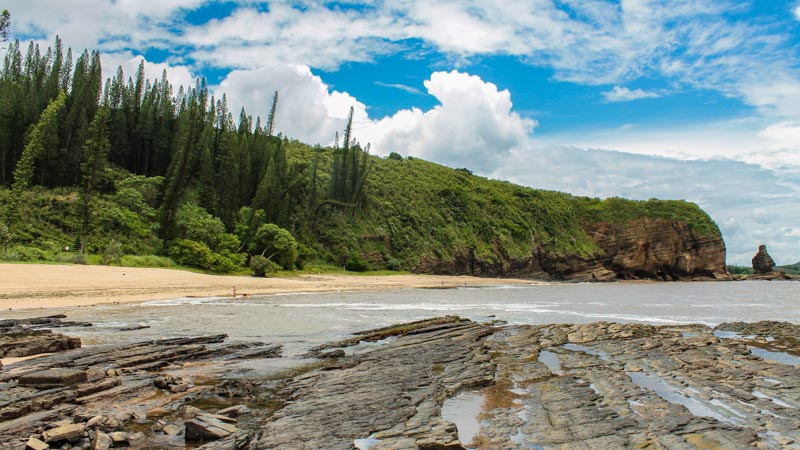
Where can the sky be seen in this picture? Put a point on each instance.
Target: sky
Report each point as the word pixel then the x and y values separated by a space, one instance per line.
pixel 675 99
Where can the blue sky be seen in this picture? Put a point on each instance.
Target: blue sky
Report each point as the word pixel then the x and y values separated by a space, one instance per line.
pixel 687 99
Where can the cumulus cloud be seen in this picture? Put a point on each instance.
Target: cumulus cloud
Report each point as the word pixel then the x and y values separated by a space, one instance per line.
pixel 623 94
pixel 473 126
pixel 177 75
pixel 693 43
pixel 307 109
pixel 797 12
pixel 752 205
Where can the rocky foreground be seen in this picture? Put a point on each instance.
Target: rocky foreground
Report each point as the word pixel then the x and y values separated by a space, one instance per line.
pixel 600 385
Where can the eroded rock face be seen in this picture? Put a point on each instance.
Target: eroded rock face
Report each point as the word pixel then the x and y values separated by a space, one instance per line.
pixel 762 262
pixel 596 385
pixel 657 249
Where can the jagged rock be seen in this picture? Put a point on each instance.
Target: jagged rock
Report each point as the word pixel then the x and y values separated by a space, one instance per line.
pixel 36 444
pixel 119 438
pixel 205 428
pixel 51 378
pixel 190 412
pixel 135 327
pixel 101 441
pixel 96 420
pixel 171 430
pixel 333 354
pixel 69 433
pixel 762 262
pixel 234 388
pixel 392 389
pixel 33 342
pixel 234 411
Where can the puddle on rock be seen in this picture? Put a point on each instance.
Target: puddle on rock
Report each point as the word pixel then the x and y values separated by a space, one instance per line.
pixel 366 346
pixel 463 410
pixel 552 362
pixel 732 335
pixel 365 443
pixel 779 357
pixel 717 410
pixel 582 348
pixel 777 401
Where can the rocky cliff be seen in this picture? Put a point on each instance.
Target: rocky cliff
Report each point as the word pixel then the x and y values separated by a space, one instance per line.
pixel 639 249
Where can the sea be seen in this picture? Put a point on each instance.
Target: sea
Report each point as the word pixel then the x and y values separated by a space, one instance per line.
pixel 303 320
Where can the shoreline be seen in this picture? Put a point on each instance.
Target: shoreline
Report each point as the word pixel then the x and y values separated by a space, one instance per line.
pixel 37 286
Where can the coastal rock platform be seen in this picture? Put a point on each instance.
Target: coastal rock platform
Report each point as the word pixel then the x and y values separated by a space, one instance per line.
pixel 443 383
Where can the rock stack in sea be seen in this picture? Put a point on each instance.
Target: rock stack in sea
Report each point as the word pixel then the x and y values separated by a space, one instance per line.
pixel 762 262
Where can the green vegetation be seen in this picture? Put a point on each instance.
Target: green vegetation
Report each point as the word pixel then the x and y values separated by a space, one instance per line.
pixel 739 270
pixel 123 171
pixel 791 269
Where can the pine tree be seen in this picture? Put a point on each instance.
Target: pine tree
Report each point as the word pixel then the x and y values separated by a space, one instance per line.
pixel 350 169
pixel 96 149
pixel 43 137
pixel 272 115
pixel 5 26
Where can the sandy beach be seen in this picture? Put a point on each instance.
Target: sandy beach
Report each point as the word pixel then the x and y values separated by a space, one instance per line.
pixel 45 285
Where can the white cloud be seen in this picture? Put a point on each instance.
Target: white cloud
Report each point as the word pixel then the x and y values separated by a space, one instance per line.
pixel 691 42
pixel 797 12
pixel 753 140
pixel 402 87
pixel 751 205
pixel 177 75
pixel 307 109
pixel 473 126
pixel 623 94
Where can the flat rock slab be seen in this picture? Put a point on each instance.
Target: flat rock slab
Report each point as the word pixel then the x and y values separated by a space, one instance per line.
pixel 204 428
pixel 71 432
pixel 51 378
pixel 36 444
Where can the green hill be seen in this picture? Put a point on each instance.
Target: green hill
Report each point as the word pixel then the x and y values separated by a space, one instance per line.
pixel 135 167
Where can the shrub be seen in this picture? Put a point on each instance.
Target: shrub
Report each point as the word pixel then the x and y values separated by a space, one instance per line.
pixel 261 266
pixel 112 254
pixel 29 254
pixel 393 264
pixel 277 243
pixel 226 261
pixel 304 255
pixel 195 223
pixel 191 253
pixel 79 258
pixel 395 156
pixel 147 261
pixel 355 263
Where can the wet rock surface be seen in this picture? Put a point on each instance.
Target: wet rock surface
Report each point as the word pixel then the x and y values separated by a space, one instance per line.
pixel 598 385
pixel 131 395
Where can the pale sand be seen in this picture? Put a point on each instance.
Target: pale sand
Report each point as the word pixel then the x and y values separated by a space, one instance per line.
pixel 44 286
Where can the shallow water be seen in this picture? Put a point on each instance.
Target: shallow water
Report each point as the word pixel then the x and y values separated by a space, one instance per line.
pixel 463 410
pixel 300 321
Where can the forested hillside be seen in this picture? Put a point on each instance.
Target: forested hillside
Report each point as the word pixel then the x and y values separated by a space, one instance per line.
pixel 131 166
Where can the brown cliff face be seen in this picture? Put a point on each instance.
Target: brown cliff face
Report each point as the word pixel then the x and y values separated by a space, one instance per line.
pixel 658 249
pixel 642 249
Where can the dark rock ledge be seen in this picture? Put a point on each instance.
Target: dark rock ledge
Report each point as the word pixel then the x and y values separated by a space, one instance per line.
pixel 599 385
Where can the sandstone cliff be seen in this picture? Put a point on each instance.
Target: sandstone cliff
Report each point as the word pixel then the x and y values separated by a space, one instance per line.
pixel 639 249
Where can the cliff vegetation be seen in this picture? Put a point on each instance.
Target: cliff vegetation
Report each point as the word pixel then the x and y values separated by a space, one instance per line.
pixel 132 171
